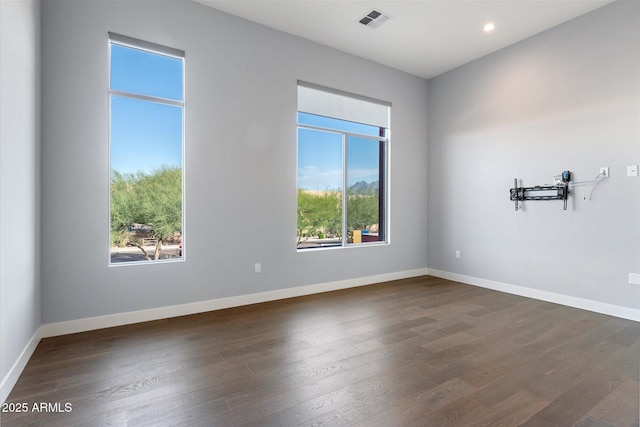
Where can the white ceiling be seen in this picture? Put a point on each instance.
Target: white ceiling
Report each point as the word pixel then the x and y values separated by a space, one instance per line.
pixel 424 37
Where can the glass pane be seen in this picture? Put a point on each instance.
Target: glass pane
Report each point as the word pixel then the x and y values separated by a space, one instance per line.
pixel 145 73
pixel 319 188
pixel 364 180
pixel 146 180
pixel 144 135
pixel 337 124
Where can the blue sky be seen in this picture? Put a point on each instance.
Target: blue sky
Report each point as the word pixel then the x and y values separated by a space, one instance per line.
pixel 145 135
pixel 320 154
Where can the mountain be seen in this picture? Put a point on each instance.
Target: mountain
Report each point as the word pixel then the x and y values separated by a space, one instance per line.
pixel 363 187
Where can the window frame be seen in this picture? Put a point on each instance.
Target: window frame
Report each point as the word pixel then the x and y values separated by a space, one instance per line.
pixel 157 49
pixel 383 164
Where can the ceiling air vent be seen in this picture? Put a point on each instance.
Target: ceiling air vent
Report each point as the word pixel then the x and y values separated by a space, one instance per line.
pixel 374 19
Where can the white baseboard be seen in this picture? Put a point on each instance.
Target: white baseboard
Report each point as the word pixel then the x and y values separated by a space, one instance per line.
pixel 585 304
pixel 12 376
pixel 119 319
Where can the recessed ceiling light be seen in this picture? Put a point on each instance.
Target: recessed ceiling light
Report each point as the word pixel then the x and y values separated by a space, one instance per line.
pixel 489 26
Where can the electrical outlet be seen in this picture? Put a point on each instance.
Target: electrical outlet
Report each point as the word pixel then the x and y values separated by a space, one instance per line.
pixel 632 170
pixel 605 171
pixel 258 267
pixel 634 279
pixel 457 254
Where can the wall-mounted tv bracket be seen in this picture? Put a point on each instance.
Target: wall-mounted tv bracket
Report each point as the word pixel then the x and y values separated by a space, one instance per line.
pixel 518 194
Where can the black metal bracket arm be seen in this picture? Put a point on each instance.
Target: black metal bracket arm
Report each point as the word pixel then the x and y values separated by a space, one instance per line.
pixel 520 194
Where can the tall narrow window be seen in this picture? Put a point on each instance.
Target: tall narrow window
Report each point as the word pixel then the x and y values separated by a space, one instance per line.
pixel 146 96
pixel 342 168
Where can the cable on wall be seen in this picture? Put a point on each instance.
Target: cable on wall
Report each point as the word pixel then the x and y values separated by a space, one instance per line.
pixel 591 184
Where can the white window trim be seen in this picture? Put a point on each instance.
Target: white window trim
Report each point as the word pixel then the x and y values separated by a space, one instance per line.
pixel 328 109
pixel 114 38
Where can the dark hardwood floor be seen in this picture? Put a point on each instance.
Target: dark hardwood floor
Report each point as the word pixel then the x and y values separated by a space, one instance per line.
pixel 416 352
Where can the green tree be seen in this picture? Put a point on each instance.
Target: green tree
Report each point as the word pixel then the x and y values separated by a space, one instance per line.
pixel 121 205
pixel 362 211
pixel 319 212
pixel 152 199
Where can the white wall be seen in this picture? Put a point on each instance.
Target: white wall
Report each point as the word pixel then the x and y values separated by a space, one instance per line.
pixel 566 99
pixel 19 184
pixel 240 160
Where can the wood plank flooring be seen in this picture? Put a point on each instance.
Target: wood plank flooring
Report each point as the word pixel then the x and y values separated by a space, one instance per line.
pixel 415 352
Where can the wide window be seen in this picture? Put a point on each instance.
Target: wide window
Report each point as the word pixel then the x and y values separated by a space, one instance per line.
pixel 146 98
pixel 343 144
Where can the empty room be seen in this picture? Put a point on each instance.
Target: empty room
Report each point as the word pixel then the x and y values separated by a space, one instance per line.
pixel 341 213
